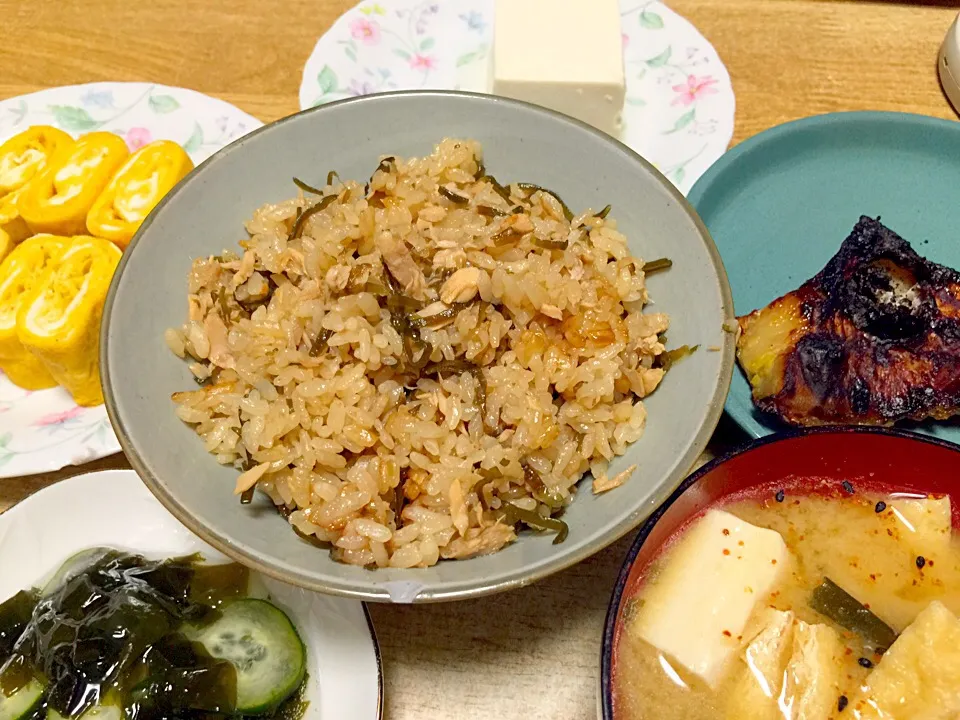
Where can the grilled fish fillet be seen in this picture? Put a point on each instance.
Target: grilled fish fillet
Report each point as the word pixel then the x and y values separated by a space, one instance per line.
pixel 873 338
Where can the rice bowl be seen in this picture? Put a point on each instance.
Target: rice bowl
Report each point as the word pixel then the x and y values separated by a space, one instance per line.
pixel 415 368
pixel 206 212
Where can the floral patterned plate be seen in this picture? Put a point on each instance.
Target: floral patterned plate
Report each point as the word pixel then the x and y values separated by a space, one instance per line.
pixel 45 431
pixel 680 105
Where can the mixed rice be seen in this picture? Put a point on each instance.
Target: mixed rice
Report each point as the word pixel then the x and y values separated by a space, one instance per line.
pixel 418 367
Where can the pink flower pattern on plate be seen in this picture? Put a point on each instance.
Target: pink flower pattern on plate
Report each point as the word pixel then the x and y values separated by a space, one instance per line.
pixel 695 87
pixel 137 137
pixel 367 31
pixel 57 418
pixel 423 62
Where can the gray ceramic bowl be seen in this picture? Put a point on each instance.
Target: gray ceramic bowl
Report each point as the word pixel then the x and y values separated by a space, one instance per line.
pixel 205 214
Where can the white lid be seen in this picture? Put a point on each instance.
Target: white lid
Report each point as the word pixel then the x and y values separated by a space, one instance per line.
pixel 949 64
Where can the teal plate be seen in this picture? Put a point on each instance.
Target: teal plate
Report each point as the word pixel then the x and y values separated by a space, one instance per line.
pixel 779 205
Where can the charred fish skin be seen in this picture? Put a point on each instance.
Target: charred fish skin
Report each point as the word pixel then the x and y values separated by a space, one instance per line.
pixel 872 339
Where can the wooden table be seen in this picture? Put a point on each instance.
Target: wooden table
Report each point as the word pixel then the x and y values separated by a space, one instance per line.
pixel 532 653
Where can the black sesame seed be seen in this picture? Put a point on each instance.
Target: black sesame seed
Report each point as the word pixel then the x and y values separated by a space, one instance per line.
pixel 842 703
pixel 780 496
pixel 881 506
pixel 847 486
pixel 865 662
pixel 921 561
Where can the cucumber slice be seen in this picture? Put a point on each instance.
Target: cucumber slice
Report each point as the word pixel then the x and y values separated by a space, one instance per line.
pixel 262 644
pixel 23 703
pixel 97 712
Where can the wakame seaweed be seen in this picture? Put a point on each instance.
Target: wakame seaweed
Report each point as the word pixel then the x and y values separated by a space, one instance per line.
pixel 497 187
pixel 15 613
pixel 302 218
pixel 307 188
pixel 834 602
pixel 669 358
pixel 454 197
pixel 515 514
pixel 531 188
pixel 657 265
pixel 111 630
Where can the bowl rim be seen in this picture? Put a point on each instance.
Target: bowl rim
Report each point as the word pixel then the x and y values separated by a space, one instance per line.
pixel 478 587
pixel 616 596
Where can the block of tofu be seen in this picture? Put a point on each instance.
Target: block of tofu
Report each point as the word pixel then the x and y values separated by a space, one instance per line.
pixel 812 679
pixel 756 691
pixel 566 56
pixel 925 523
pixel 695 610
pixel 918 678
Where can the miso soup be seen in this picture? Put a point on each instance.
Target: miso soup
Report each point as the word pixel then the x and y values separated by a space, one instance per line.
pixel 798 605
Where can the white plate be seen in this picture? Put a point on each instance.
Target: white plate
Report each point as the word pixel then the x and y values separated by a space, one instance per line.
pixel 114 509
pixel 45 431
pixel 680 105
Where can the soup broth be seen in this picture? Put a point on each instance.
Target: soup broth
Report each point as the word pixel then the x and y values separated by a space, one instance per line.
pixel 895 554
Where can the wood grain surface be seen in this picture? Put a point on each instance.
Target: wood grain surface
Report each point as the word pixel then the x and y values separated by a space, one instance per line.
pixel 532 653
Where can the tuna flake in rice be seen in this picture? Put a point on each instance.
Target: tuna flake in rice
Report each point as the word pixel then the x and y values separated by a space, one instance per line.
pixel 416 368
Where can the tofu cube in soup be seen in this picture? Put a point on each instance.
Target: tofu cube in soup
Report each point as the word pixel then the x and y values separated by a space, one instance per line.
pixel 697 608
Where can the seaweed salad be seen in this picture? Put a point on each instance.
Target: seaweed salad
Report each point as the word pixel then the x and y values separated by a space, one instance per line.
pixel 115 636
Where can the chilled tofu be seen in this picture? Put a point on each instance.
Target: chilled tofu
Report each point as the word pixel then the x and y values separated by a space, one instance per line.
pixel 812 678
pixel 757 688
pixel 696 609
pixel 918 678
pixel 925 523
pixel 566 56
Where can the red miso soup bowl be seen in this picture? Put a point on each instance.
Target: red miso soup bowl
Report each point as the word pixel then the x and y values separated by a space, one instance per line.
pixel 866 457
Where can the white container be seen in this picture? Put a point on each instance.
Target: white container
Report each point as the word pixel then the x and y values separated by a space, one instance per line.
pixel 949 64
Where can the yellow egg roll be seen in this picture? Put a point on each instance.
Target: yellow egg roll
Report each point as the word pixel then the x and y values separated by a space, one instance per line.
pixel 58 200
pixel 148 175
pixel 22 159
pixel 22 269
pixel 59 319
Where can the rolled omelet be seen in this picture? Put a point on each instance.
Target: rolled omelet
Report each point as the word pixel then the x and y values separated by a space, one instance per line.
pixel 26 266
pixel 59 198
pixel 23 158
pixel 59 318
pixel 136 189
